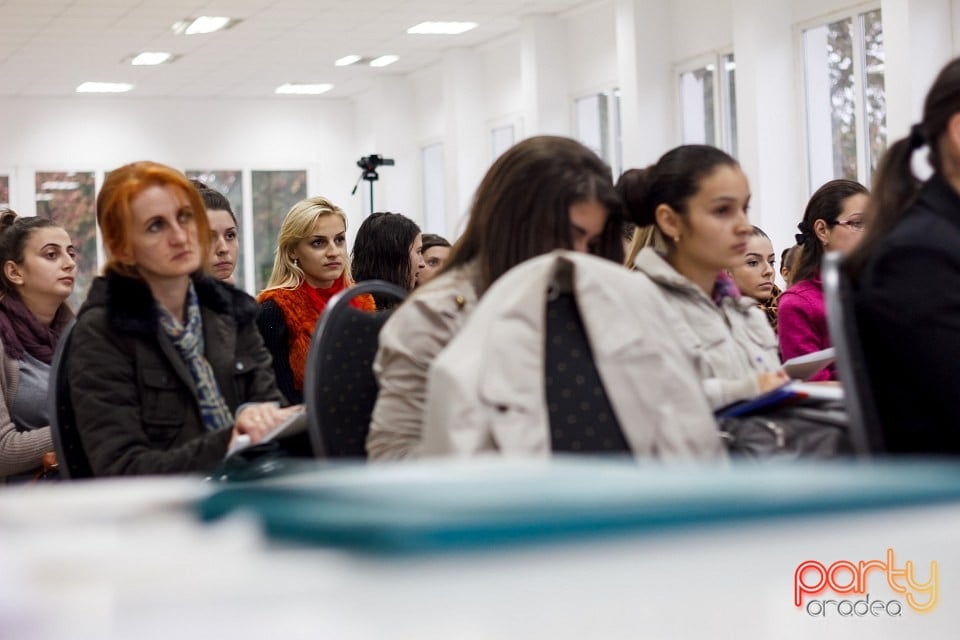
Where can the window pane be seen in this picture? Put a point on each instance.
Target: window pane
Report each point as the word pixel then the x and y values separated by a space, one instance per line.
pixel 69 199
pixel 593 124
pixel 230 184
pixel 434 194
pixel 274 192
pixel 696 106
pixel 876 98
pixel 830 102
pixel 501 139
pixel 728 78
pixel 4 191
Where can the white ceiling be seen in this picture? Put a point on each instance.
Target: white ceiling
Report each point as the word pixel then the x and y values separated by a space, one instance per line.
pixel 48 47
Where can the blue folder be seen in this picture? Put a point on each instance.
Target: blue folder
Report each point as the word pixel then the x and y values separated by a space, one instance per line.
pixel 444 506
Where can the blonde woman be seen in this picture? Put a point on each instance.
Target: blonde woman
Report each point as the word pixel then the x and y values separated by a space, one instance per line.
pixel 311 266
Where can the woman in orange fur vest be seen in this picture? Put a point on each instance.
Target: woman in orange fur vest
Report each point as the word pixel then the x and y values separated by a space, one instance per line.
pixel 311 266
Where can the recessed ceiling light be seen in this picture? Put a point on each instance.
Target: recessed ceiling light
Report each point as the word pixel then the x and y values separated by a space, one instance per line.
pixel 151 58
pixel 104 87
pixel 346 61
pixel 441 28
pixel 203 24
pixel 383 61
pixel 293 88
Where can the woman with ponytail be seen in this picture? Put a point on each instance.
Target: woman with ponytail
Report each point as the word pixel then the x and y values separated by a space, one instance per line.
pixel 697 198
pixel 907 271
pixel 833 221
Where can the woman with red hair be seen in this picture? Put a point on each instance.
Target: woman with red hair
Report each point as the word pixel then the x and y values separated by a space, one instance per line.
pixel 166 366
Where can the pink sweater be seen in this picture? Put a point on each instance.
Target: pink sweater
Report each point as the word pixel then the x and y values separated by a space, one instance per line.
pixel 802 323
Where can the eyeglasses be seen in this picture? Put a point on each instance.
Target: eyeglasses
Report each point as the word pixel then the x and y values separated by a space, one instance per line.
pixel 856 225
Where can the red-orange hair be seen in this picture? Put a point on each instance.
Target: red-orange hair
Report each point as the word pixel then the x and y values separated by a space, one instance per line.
pixel 115 217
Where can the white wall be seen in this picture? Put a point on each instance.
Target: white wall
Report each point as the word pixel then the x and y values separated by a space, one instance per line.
pixel 591 34
pixel 528 78
pixel 100 133
pixel 699 27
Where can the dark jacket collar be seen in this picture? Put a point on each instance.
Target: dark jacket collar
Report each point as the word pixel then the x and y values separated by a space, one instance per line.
pixel 131 308
pixel 939 197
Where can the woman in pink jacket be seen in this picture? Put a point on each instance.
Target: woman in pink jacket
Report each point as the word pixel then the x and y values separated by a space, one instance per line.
pixel 833 221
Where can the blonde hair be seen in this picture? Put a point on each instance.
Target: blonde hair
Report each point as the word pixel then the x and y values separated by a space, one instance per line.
pixel 645 236
pixel 297 225
pixel 115 214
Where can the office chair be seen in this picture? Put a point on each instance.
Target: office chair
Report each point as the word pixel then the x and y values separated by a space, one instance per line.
pixel 865 430
pixel 339 387
pixel 66 440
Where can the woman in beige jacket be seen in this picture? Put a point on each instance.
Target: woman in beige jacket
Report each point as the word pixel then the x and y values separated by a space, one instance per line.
pixel 544 193
pixel 698 198
pixel 487 390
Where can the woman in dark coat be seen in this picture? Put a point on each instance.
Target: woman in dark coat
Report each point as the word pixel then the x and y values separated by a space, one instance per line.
pixel 166 365
pixel 908 274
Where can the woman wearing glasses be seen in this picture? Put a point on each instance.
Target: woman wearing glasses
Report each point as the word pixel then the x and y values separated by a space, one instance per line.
pixel 833 221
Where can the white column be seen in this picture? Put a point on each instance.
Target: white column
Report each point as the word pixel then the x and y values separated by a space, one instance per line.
pixel 647 114
pixel 918 41
pixel 465 155
pixel 543 71
pixel 770 127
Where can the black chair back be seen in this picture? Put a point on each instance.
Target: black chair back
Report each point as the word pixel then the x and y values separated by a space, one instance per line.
pixel 66 440
pixel 339 388
pixel 865 429
pixel 582 419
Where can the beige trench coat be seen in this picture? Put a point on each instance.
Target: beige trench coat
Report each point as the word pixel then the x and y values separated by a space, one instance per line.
pixel 486 389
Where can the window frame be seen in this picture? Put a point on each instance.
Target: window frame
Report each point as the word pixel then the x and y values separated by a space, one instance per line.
pixel 722 117
pixel 855 14
pixel 614 137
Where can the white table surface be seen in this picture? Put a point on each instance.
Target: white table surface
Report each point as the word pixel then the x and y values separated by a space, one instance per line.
pixel 127 559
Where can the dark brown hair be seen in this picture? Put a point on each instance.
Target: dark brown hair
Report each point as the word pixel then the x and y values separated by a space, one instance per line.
pixel 672 181
pixel 381 249
pixel 825 204
pixel 14 234
pixel 522 206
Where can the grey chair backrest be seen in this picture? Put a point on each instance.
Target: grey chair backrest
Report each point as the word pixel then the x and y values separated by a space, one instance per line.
pixel 66 441
pixel 339 387
pixel 865 429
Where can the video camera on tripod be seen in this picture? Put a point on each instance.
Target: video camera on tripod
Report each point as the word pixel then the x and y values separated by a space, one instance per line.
pixel 371 162
pixel 369 165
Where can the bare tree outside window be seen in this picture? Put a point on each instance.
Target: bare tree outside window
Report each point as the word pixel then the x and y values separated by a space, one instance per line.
pixel 876 97
pixel 274 193
pixel 843 76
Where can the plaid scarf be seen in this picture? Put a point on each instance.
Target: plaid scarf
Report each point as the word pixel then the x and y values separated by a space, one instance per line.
pixel 188 340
